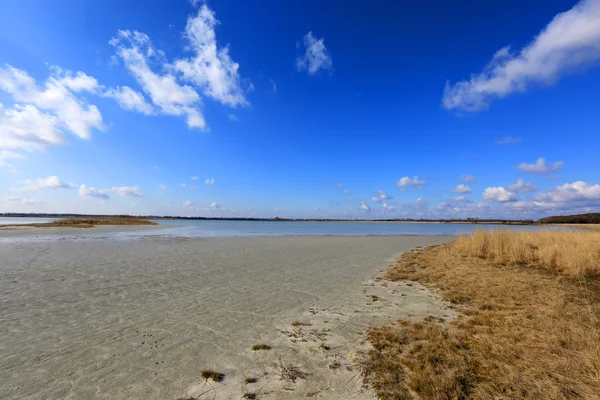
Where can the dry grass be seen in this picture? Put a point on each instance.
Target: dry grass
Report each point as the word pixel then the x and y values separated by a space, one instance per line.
pixel 85 222
pixel 575 253
pixel 261 346
pixel 212 374
pixel 249 380
pixel 291 372
pixel 523 333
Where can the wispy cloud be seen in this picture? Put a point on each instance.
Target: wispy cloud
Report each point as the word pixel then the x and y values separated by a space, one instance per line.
pixel 51 182
pixel 211 68
pixel 210 181
pixel 85 191
pixel 522 187
pixel 540 166
pixel 405 182
pixel 466 178
pixel 462 188
pixel 568 43
pixel 507 140
pixel 130 191
pixel 315 57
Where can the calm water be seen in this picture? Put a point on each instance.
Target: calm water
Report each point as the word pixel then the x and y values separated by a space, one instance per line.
pixel 266 228
pixel 20 221
pixel 222 229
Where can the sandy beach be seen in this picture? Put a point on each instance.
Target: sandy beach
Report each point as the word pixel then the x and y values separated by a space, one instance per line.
pixel 109 319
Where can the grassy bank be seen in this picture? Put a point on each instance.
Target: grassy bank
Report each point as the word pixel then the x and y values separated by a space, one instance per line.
pixel 528 325
pixel 88 222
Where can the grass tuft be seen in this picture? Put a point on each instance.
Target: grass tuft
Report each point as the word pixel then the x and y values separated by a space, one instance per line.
pixel 261 346
pixel 212 374
pixel 249 380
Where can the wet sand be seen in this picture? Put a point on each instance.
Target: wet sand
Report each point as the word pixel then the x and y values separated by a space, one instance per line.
pixel 109 319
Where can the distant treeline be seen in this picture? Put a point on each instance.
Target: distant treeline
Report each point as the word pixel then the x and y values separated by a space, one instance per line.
pixel 592 218
pixel 449 221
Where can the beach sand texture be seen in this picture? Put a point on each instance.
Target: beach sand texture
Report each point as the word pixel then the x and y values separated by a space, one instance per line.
pixel 107 319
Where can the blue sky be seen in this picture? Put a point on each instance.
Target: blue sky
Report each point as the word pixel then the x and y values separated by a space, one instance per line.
pixel 336 109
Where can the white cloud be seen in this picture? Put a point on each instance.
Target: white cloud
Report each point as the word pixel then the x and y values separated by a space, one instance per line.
pixel 466 178
pixel 14 200
pixel 364 207
pixel 130 100
pixel 210 181
pixel 381 195
pixel 188 205
pixel 573 192
pixel 540 167
pixel 214 206
pixel 462 188
pixel 508 140
pixel 6 154
pixel 55 97
pixel 211 69
pixel 85 191
pixel 273 85
pixel 51 182
pixel 388 208
pixel 375 199
pixel 405 182
pixel 135 49
pixel 498 195
pixel 568 43
pixel 346 191
pixel 130 191
pixel 233 117
pixel 194 178
pixel 25 127
pixel 315 56
pixel 462 199
pixel 522 187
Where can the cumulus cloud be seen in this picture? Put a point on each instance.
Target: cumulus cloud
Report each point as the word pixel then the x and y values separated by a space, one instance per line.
pixel 188 205
pixel 568 43
pixel 210 181
pixel 466 178
pixel 381 195
pixel 364 207
pixel 130 191
pixel 405 182
pixel 56 97
pixel 85 191
pixel 214 206
pixel 211 68
pixel 462 199
pixel 573 192
pixel 462 188
pixel 522 187
pixel 171 98
pixel 498 195
pixel 51 182
pixel 508 140
pixel 315 57
pixel 540 166
pixel 43 113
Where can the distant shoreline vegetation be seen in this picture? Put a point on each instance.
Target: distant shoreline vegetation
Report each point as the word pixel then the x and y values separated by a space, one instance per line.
pixel 591 218
pixel 277 219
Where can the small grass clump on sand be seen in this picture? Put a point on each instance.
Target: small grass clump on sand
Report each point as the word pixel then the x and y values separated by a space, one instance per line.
pixel 89 222
pixel 261 346
pixel 298 323
pixel 250 395
pixel 291 372
pixel 249 380
pixel 521 333
pixel 373 297
pixel 212 374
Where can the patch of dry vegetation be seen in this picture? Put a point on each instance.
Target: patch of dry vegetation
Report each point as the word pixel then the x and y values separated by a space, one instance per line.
pixel 212 374
pixel 523 333
pixel 89 222
pixel 261 346
pixel 575 253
